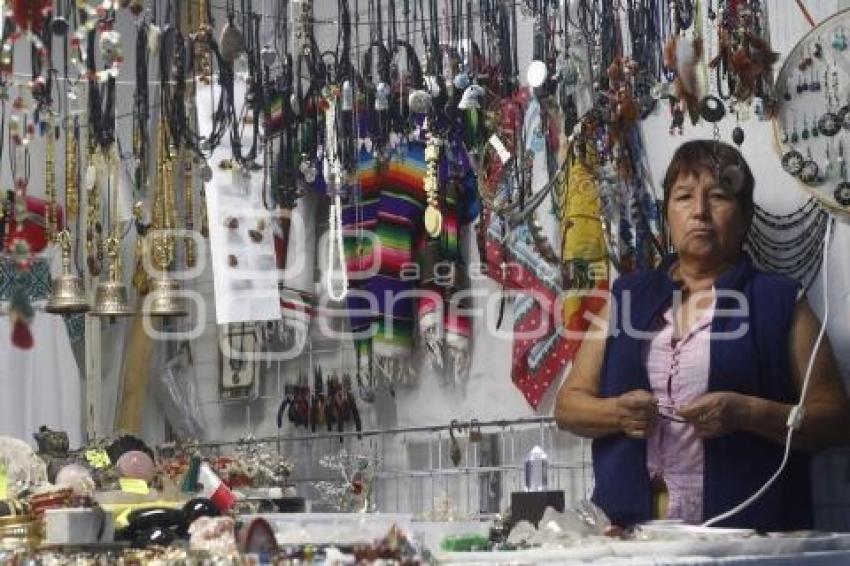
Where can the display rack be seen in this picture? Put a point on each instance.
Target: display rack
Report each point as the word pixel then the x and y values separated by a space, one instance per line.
pixel 415 473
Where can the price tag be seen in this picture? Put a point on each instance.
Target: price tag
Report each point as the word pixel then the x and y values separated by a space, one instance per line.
pixel 4 482
pixel 98 459
pixel 129 485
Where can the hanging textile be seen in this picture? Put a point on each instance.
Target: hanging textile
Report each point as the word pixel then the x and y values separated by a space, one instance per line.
pixel 401 205
pixel 444 327
pixel 584 250
pixel 359 218
pixel 297 268
pixel 41 386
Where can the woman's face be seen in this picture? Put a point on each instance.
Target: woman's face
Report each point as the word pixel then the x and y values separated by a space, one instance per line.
pixel 706 221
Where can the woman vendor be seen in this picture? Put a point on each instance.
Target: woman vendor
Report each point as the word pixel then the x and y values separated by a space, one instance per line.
pixel 687 383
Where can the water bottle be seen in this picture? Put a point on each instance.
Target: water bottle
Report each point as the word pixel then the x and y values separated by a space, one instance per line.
pixel 536 470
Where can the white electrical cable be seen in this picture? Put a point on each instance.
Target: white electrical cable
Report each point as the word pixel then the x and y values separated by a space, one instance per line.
pixel 795 417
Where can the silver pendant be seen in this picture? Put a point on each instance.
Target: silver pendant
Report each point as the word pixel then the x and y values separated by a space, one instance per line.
pixel 809 172
pixel 842 193
pixel 829 124
pixel 792 162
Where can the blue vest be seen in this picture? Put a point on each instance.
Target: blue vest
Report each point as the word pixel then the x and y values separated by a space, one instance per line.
pixel 755 363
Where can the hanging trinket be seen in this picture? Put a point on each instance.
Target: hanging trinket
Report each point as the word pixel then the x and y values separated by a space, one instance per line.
pixel 842 193
pixel 829 124
pixel 454 452
pixel 712 109
pixel 792 162
pixel 814 84
pixel 839 40
pixel 231 42
pixel 809 173
pixel 827 166
pixel 433 216
pixel 738 135
pixel 419 102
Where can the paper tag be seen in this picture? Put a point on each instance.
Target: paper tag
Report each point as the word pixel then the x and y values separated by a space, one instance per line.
pixel 500 148
pixel 130 485
pixel 4 482
pixel 98 459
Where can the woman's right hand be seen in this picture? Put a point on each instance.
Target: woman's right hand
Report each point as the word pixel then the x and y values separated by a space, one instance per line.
pixel 636 413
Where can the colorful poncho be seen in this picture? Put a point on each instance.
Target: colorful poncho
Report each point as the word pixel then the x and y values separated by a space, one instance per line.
pixel 385 243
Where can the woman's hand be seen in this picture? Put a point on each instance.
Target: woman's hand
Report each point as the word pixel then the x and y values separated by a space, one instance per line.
pixel 636 412
pixel 717 414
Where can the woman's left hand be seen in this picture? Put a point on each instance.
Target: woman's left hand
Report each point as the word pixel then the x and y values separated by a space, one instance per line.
pixel 716 414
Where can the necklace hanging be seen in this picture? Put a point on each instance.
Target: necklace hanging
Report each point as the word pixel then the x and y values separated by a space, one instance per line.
pixel 433 216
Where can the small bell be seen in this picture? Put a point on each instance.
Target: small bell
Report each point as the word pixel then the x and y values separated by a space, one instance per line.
pixel 111 297
pixel 738 135
pixel 67 293
pixel 165 298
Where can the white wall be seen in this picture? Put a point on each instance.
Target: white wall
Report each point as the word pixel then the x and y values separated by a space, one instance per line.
pixel 489 393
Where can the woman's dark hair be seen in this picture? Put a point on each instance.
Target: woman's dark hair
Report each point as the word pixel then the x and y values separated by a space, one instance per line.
pixel 722 160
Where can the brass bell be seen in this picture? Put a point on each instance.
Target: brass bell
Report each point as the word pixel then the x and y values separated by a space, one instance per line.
pixel 111 297
pixel 67 293
pixel 164 300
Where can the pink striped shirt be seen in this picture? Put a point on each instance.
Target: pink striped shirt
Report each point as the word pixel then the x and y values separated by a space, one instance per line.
pixel 678 374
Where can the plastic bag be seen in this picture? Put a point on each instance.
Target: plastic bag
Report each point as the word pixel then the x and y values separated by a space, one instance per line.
pixel 176 389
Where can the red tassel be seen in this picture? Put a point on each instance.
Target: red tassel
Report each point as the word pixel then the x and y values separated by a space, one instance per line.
pixel 21 335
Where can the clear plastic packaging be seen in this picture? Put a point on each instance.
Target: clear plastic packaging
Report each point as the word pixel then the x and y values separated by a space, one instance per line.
pixel 176 389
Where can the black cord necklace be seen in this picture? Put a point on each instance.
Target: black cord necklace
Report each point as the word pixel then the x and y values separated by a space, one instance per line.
pixel 101 102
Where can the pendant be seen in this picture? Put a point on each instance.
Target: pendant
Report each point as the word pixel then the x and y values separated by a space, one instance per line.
pixel 844 117
pixel 842 193
pixel 738 135
pixel 433 221
pixel 829 124
pixel 231 42
pixel 809 172
pixel 712 109
pixel 792 162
